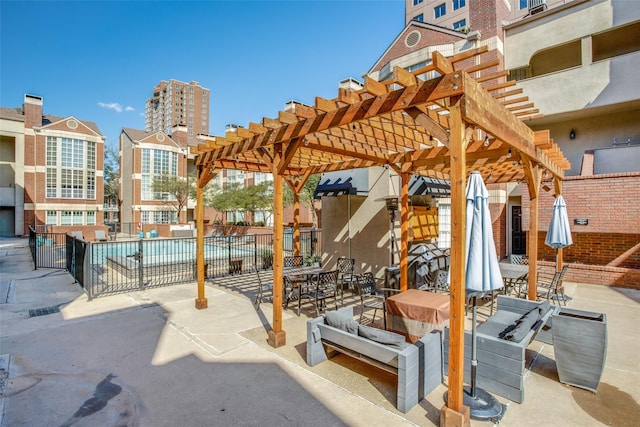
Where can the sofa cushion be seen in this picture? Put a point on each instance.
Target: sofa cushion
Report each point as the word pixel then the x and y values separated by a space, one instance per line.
pixel 383 337
pixel 339 321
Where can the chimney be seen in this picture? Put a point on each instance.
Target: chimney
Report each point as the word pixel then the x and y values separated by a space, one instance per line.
pixel 32 108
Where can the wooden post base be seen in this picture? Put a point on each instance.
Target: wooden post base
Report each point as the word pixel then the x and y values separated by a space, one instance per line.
pixel 451 418
pixel 201 303
pixel 277 339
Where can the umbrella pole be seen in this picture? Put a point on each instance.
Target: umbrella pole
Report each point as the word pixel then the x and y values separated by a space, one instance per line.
pixel 482 405
pixel 474 360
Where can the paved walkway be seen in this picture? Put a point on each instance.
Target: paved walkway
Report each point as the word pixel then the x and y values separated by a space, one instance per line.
pixel 150 359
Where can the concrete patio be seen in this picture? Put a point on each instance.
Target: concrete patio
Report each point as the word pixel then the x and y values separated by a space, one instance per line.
pixel 151 359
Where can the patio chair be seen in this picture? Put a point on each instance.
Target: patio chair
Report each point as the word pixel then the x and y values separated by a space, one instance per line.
pixel 262 289
pixel 550 286
pixel 296 290
pixel 346 277
pixel 324 286
pixel 293 261
pixel 372 297
pixel 100 236
pixel 519 259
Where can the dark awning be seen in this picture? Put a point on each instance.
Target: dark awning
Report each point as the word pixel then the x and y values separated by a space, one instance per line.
pixel 424 185
pixel 354 182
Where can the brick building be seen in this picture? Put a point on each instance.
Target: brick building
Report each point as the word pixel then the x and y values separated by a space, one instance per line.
pixel 574 61
pixel 52 171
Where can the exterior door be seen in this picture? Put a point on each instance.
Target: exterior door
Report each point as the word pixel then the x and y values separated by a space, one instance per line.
pixel 518 236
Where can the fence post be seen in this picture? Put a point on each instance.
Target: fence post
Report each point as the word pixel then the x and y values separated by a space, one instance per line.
pixel 255 252
pixel 87 271
pixel 140 265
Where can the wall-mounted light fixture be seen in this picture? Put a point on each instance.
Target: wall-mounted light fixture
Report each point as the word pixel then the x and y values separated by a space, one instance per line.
pixel 509 154
pixel 572 134
pixel 486 141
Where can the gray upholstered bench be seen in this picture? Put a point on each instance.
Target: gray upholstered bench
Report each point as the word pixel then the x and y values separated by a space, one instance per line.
pixel 501 361
pixel 418 366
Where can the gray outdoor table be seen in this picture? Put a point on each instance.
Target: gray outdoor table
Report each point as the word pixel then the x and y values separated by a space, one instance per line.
pixel 513 275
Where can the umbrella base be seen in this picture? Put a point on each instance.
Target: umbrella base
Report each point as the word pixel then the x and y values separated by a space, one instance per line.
pixel 484 406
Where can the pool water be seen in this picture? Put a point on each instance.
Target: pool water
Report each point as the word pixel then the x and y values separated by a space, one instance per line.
pixel 170 249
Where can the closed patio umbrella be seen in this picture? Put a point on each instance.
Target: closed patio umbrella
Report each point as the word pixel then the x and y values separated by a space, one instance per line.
pixel 559 232
pixel 481 279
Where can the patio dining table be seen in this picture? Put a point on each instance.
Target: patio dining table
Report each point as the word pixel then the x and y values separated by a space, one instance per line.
pixel 298 277
pixel 514 276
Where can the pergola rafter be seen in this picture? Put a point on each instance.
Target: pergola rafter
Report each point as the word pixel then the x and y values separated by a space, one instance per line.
pixel 442 127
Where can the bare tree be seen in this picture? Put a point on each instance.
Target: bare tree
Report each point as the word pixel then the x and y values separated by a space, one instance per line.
pixel 173 191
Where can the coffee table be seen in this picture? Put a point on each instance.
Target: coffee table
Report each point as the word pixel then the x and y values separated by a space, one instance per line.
pixel 416 313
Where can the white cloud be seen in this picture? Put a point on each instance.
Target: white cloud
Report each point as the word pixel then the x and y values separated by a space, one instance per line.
pixel 129 108
pixel 112 106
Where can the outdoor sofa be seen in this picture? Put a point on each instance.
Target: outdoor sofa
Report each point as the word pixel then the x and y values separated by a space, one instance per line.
pixel 501 342
pixel 418 366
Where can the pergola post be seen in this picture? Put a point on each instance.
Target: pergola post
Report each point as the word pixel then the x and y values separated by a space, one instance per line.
pixel 296 223
pixel 404 231
pixel 533 173
pixel 277 336
pixel 201 301
pixel 454 412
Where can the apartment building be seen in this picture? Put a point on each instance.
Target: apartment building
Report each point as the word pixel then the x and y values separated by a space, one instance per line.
pixel 176 103
pixel 575 61
pixel 144 158
pixel 51 171
pixel 454 14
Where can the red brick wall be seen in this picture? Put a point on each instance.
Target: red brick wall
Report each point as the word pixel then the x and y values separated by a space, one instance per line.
pixel 499 224
pixel 607 249
pixel 615 250
pixel 609 202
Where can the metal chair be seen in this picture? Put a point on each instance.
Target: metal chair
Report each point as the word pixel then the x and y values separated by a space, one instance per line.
pixel 551 285
pixel 346 278
pixel 324 286
pixel 293 261
pixel 372 297
pixel 262 289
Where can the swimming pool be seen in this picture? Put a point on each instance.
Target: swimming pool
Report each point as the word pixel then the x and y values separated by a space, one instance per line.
pixel 167 250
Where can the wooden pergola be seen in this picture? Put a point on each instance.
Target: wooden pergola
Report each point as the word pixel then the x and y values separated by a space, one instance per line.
pixel 443 127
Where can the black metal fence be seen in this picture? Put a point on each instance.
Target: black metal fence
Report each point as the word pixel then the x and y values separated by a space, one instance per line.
pixel 122 266
pixel 48 250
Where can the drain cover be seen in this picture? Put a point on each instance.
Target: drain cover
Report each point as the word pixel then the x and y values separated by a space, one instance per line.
pixel 35 312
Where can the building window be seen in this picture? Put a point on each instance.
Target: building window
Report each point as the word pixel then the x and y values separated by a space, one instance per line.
pixel 165 217
pixel 91 218
pixel 457 4
pixel 144 217
pixel 72 218
pixel 52 218
pixel 91 185
pixel 67 162
pixel 155 164
pixel 444 224
pixel 524 4
pixel 419 18
pixel 416 2
pixel 440 10
pixel 52 182
pixel 460 24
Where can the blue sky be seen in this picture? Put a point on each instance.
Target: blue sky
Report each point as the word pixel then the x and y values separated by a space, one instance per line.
pixel 99 61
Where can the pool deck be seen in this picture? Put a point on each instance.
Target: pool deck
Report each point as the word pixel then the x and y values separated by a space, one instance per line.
pixel 151 359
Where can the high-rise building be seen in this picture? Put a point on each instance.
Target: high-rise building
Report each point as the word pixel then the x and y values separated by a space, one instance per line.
pixel 176 103
pixel 455 13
